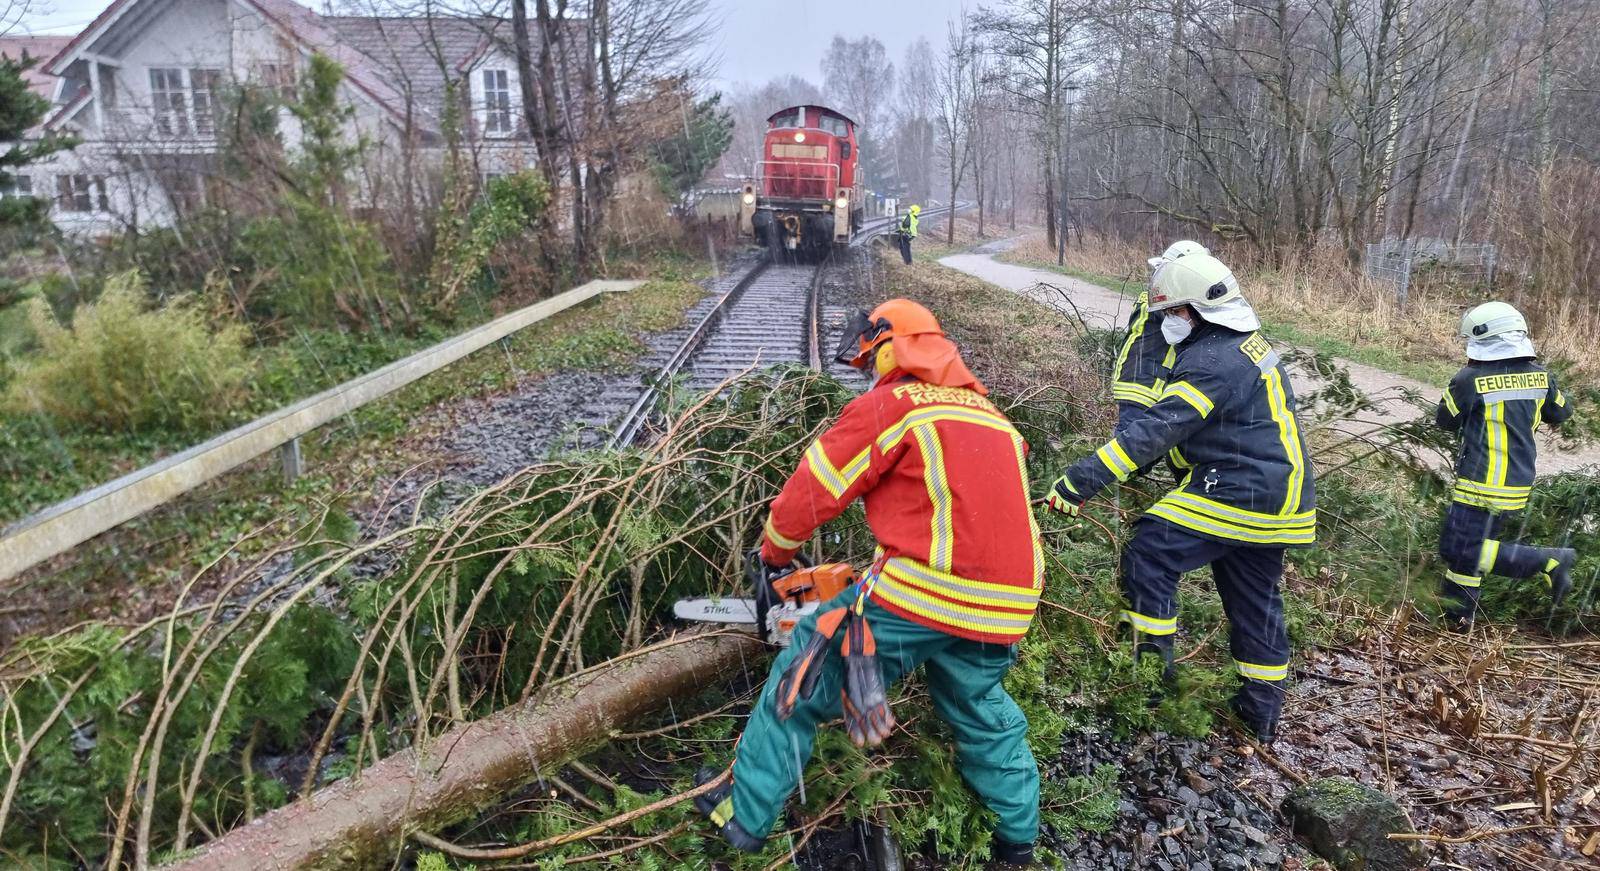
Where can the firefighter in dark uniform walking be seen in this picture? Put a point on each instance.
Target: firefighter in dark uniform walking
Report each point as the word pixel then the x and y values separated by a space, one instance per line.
pixel 1226 418
pixel 1496 403
pixel 1144 357
pixel 908 231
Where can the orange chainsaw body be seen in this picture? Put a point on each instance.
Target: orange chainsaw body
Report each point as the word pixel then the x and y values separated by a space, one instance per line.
pixel 801 591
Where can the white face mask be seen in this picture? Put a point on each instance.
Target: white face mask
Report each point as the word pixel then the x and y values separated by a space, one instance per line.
pixel 1175 329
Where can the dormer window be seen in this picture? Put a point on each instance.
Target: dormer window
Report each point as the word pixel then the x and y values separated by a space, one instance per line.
pixel 497 117
pixel 184 102
pixel 169 102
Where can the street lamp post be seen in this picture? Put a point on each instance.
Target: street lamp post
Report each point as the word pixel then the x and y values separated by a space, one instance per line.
pixel 1070 97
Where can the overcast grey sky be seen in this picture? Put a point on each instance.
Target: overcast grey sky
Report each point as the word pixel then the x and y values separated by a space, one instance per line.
pixel 760 39
pixel 755 39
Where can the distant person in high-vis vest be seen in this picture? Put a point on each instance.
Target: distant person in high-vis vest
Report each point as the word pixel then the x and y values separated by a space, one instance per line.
pixel 908 231
pixel 958 575
pixel 1495 403
pixel 1145 357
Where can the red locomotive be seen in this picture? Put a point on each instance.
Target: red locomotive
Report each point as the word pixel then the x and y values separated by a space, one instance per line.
pixel 808 194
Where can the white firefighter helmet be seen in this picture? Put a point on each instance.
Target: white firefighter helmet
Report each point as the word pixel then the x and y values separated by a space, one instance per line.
pixel 1491 319
pixel 1204 282
pixel 1180 248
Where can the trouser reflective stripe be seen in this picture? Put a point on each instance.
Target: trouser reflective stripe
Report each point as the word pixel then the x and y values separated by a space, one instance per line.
pixel 1470 545
pixel 1150 625
pixel 1262 672
pixel 964 684
pixel 1246 577
pixel 723 811
pixel 1463 580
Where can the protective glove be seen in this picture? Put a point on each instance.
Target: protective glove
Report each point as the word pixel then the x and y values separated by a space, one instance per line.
pixel 867 716
pixel 799 680
pixel 1063 497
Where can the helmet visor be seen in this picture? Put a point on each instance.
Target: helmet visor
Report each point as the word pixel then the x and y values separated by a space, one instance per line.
pixel 860 335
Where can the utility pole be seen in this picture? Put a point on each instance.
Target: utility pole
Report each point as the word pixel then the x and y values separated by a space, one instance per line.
pixel 1069 93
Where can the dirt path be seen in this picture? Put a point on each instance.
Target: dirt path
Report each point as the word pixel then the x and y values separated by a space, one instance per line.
pixel 1103 308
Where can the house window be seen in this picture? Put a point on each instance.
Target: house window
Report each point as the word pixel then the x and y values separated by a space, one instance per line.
pixel 17 186
pixel 81 193
pixel 204 86
pixel 279 78
pixel 497 120
pixel 169 102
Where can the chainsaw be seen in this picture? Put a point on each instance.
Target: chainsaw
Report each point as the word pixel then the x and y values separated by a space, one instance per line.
pixel 783 597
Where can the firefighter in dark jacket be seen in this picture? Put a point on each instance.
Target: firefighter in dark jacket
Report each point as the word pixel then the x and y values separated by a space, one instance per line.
pixel 1145 356
pixel 1495 403
pixel 908 231
pixel 1226 418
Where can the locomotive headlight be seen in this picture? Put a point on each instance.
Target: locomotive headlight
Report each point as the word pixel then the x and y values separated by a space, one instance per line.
pixel 749 199
pixel 799 137
pixel 842 203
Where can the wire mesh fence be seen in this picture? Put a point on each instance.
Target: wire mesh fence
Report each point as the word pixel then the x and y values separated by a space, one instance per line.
pixel 1401 261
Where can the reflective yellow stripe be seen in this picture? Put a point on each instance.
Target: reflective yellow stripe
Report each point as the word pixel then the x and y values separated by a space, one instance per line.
pixel 1461 580
pixel 1305 533
pixel 894 590
pixel 1262 672
pixel 1493 503
pixel 978 592
pixel 1494 422
pixel 823 471
pixel 1450 402
pixel 723 812
pixel 1128 391
pixel 1245 516
pixel 1151 625
pixel 1494 489
pixel 1487 556
pixel 1116 459
pixel 942 526
pixel 1177 458
pixel 1498 498
pixel 892 436
pixel 1561 399
pixel 1135 330
pixel 1190 394
pixel 1033 523
pixel 1289 435
pixel 778 538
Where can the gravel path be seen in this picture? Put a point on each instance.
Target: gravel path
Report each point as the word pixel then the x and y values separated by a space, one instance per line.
pixel 1103 308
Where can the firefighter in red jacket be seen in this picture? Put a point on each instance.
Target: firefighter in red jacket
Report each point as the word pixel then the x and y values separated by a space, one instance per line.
pixel 954 586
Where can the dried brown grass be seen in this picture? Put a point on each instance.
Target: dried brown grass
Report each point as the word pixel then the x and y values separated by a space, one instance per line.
pixel 1322 295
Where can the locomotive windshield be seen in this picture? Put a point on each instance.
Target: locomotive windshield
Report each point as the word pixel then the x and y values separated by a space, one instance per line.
pixel 789 118
pixel 834 124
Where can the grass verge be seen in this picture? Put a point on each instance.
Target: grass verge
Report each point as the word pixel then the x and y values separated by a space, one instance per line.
pixel 141 564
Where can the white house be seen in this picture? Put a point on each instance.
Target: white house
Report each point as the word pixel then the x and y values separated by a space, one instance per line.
pixel 142 87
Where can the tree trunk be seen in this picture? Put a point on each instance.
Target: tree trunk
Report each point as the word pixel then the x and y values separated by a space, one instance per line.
pixel 363 821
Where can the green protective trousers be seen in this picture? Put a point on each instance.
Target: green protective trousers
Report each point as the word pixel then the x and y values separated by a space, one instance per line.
pixel 963 680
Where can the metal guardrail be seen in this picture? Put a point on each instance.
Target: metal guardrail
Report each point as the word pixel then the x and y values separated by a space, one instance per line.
pixel 60 527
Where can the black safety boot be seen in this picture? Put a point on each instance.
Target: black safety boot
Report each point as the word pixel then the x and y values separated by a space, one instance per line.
pixel 1558 572
pixel 717 806
pixel 1158 646
pixel 1257 705
pixel 1004 854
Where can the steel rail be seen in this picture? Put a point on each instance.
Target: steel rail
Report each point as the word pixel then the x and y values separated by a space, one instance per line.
pixel 633 420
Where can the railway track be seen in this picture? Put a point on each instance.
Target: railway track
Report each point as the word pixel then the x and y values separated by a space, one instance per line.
pixel 770 314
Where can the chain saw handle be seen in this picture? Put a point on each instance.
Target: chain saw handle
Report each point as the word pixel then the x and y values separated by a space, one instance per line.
pixel 793 591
